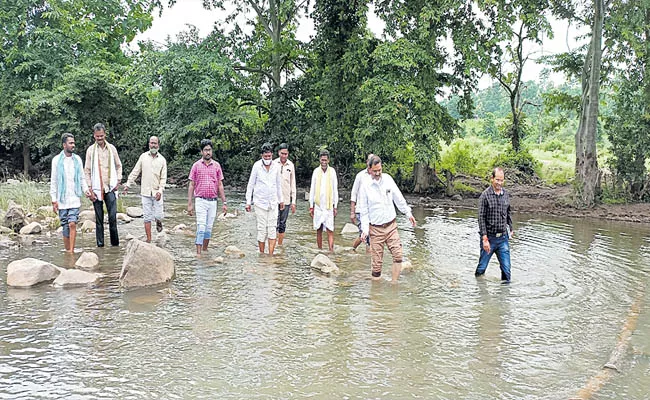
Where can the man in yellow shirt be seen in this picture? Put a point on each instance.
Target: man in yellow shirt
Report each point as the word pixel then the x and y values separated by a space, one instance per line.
pixel 153 167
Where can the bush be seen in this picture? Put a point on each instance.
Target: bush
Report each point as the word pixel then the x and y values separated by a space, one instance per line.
pixel 521 161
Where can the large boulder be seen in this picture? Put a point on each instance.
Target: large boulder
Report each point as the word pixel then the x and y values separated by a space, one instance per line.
pixel 88 226
pixel 145 265
pixel 233 251
pixel 6 231
pixel 134 212
pixel 31 229
pixel 88 261
pixel 29 272
pixel 75 278
pixel 323 264
pixel 15 217
pixel 87 215
pixel 350 228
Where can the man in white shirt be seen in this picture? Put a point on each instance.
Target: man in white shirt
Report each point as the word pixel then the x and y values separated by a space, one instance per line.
pixel 288 177
pixel 354 197
pixel 153 167
pixel 375 205
pixel 67 185
pixel 264 190
pixel 323 199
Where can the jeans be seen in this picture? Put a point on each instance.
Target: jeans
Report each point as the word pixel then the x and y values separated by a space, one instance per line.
pixel 282 218
pixel 500 246
pixel 66 216
pixel 111 208
pixel 206 211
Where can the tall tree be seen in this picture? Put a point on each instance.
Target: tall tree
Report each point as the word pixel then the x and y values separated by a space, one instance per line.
pixel 515 25
pixel 587 185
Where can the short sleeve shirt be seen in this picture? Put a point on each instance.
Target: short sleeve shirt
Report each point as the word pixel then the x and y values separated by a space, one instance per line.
pixel 206 178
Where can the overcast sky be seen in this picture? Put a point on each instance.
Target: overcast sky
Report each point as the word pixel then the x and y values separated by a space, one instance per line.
pixel 176 19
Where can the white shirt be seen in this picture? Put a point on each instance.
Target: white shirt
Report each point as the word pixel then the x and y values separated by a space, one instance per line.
pixel 376 199
pixel 323 188
pixel 288 175
pixel 264 187
pixel 363 174
pixel 70 199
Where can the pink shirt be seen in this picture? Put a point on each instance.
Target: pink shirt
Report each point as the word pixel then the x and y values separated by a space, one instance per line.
pixel 206 179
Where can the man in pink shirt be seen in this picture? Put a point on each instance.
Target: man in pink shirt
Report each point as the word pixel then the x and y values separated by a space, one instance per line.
pixel 206 185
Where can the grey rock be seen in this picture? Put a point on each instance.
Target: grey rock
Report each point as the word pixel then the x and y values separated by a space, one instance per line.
pixel 15 217
pixel 88 226
pixel 13 181
pixel 29 272
pixel 323 264
pixel 31 229
pixel 233 251
pixel 306 196
pixel 457 197
pixel 75 278
pixel 134 212
pixel 145 265
pixel 350 228
pixel 5 231
pixel 86 215
pixel 88 261
pixel 124 218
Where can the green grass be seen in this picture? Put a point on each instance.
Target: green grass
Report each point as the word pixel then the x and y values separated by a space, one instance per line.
pixel 30 195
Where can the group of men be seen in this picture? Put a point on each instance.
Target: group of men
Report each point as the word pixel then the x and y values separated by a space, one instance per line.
pixel 99 180
pixel 271 193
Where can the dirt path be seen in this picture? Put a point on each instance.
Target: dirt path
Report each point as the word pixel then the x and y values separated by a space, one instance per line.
pixel 552 201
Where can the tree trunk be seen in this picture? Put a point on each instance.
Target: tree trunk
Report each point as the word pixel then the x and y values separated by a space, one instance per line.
pixel 422 175
pixel 27 159
pixel 587 186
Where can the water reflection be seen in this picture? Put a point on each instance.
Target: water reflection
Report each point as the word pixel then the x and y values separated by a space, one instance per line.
pixel 270 327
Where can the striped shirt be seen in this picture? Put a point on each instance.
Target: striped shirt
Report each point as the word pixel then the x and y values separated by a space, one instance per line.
pixel 494 212
pixel 206 178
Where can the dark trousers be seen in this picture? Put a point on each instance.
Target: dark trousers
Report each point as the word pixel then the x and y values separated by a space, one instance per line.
pixel 111 208
pixel 282 218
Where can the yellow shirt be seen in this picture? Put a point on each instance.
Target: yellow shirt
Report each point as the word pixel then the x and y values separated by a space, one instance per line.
pixel 154 174
pixel 103 162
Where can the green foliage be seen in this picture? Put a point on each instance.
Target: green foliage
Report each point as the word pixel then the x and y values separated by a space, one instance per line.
pixel 465 190
pixel 521 161
pixel 31 195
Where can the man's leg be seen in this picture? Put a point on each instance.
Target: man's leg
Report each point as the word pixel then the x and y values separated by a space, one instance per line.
pixel 73 218
pixel 394 245
pixel 63 217
pixel 147 214
pixel 376 252
pixel 503 255
pixel 201 211
pixel 271 232
pixel 484 258
pixel 319 237
pixel 357 241
pixel 260 219
pixel 211 215
pixel 98 205
pixel 330 240
pixel 111 208
pixel 158 213
pixel 282 223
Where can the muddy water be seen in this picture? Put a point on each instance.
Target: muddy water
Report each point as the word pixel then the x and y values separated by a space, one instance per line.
pixel 269 327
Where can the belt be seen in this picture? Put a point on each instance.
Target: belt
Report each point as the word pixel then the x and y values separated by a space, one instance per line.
pixel 498 234
pixel 383 225
pixel 209 198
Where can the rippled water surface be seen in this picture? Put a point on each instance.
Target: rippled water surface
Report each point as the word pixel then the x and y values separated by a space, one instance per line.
pixel 270 327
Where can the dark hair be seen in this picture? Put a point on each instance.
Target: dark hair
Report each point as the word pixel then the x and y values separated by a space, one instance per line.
pixel 267 148
pixel 283 146
pixel 205 142
pixel 370 156
pixel 374 160
pixel 494 171
pixel 99 127
pixel 65 136
pixel 324 153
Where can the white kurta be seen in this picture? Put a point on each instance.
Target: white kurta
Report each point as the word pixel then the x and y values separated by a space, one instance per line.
pixel 323 215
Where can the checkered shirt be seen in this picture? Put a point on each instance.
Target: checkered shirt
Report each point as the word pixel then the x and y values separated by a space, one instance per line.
pixel 206 179
pixel 494 212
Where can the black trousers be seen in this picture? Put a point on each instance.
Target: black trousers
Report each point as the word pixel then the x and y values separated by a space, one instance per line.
pixel 111 208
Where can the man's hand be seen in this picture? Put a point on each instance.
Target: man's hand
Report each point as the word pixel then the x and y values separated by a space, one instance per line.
pixel 413 221
pixel 282 206
pixel 91 195
pixel 511 234
pixel 190 209
pixel 126 189
pixel 311 211
pixel 55 207
pixel 353 217
pixel 224 208
pixel 335 212
pixel 486 244
pixel 293 209
pixel 363 237
pixel 248 208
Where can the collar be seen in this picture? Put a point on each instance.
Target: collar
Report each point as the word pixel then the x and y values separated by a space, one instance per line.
pixel 208 164
pixel 495 193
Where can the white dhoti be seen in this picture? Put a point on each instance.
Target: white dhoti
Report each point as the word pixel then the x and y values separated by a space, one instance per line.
pixel 323 217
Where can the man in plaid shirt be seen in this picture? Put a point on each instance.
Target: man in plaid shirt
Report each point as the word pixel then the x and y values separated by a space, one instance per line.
pixel 495 225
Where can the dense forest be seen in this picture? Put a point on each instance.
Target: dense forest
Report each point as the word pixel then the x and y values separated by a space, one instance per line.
pixel 411 95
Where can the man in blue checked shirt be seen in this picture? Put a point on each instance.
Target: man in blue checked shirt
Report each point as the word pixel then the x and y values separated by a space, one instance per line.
pixel 495 226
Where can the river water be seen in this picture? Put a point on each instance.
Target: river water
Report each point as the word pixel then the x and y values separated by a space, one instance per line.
pixel 270 327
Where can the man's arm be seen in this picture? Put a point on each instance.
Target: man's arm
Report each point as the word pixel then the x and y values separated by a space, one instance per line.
pixel 118 164
pixel 293 185
pixel 54 185
pixel 335 189
pixel 163 177
pixel 252 179
pixel 482 214
pixel 135 173
pixel 400 202
pixel 88 166
pixel 362 209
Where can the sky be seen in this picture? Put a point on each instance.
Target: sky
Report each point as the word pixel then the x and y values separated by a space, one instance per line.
pixel 176 19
